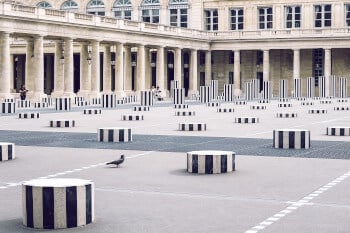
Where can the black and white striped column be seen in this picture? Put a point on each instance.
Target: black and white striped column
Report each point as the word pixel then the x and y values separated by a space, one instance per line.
pixel 325 101
pixel 264 101
pixel 211 162
pixel 214 89
pixel 41 105
pixel 317 111
pixel 332 85
pixel 140 108
pixel 286 115
pixel 28 115
pixel 246 120
pixel 240 102
pixel 185 113
pixel 62 123
pixel 23 104
pixel 228 92
pixel 192 126
pixel 7 107
pixel 57 203
pixel 248 90
pixel 78 99
pixel 130 99
pixel 322 87
pixel 284 105
pixel 267 90
pixel 109 100
pixel 310 87
pixel 213 104
pixel 180 106
pixel 283 91
pixel 146 98
pixel 132 117
pixel 96 101
pixel 291 138
pixel 224 110
pixel 307 103
pixel 338 131
pixel 255 88
pixel 258 107
pixel 92 111
pixel 7 151
pixel 297 88
pixel 204 93
pixel 341 108
pixel 114 134
pixel 63 104
pixel 47 100
pixel 179 96
pixel 343 87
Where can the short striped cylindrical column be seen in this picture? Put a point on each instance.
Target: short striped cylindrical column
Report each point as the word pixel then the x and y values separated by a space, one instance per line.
pixel 57 203
pixel 47 100
pixel 78 99
pixel 310 87
pixel 341 108
pixel 338 131
pixel 343 87
pixel 291 138
pixel 130 99
pixel 317 111
pixel 179 96
pixel 82 103
pixel 301 98
pixel 211 162
pixel 9 100
pixel 213 104
pixel 286 115
pixel 185 113
pixel 283 91
pixel 258 107
pixel 342 101
pixel 192 126
pixel 264 101
pixel 63 104
pixel 92 111
pixel 41 105
pixel 267 90
pixel 246 120
pixel 23 104
pixel 297 88
pixel 228 92
pixel 114 134
pixel 140 108
pixel 307 103
pixel 283 100
pixel 7 151
pixel 28 115
pixel 204 93
pixel 132 117
pixel 146 98
pixel 284 105
pixel 109 101
pixel 181 106
pixel 325 101
pixel 120 101
pixel 62 123
pixel 96 101
pixel 7 107
pixel 225 110
pixel 240 102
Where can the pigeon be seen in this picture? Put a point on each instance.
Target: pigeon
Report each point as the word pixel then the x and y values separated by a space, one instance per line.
pixel 117 162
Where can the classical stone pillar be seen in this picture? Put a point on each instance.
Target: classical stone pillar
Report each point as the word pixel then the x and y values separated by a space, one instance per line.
pixel 29 79
pixel 68 67
pixel 178 66
pixel 107 69
pixel 5 86
pixel 160 70
pixel 296 63
pixel 59 67
pixel 141 69
pixel 266 65
pixel 207 67
pixel 237 72
pixel 327 69
pixel 119 70
pixel 95 69
pixel 127 66
pixel 193 89
pixel 85 71
pixel 148 69
pixel 38 68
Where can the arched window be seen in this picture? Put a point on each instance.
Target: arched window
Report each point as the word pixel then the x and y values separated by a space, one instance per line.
pixel 150 11
pixel 44 5
pixel 178 11
pixel 95 7
pixel 69 5
pixel 122 9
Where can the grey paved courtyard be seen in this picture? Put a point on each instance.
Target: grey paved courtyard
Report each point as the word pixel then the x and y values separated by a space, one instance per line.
pixel 272 190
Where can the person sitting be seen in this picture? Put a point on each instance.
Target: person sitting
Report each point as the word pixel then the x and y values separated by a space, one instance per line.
pixel 23 92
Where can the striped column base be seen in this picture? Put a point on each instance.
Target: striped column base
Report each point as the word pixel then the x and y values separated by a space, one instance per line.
pixel 317 111
pixel 9 100
pixel 264 101
pixel 325 102
pixel 317 98
pixel 213 104
pixel 140 108
pixel 301 98
pixel 291 138
pixel 82 103
pixel 211 162
pixel 338 131
pixel 284 105
pixel 92 111
pixel 341 108
pixel 7 151
pixel 307 103
pixel 240 102
pixel 7 107
pixel 342 101
pixel 180 106
pixel 41 105
pixel 114 134
pixel 63 104
pixel 96 101
pixel 132 117
pixel 192 127
pixel 120 102
pixel 62 123
pixel 185 113
pixel 23 103
pixel 225 110
pixel 283 100
pixel 246 120
pixel 286 115
pixel 57 203
pixel 29 115
pixel 257 107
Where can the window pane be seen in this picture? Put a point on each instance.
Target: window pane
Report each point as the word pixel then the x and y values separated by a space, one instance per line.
pixel 240 26
pixel 261 25
pixel 328 15
pixel 269 25
pixel 327 23
pixel 289 25
pixel 318 23
pixel 155 19
pixel 215 13
pixel 328 7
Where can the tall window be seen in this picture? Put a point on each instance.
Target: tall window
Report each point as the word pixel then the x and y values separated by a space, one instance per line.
pixel 265 17
pixel 178 10
pixel 293 16
pixel 122 9
pixel 44 5
pixel 236 19
pixel 95 7
pixel 323 15
pixel 150 11
pixel 69 5
pixel 211 19
pixel 318 60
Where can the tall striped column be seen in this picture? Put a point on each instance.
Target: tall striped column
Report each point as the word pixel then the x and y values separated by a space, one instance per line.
pixel 267 92
pixel 333 86
pixel 248 90
pixel 322 87
pixel 283 92
pixel 214 89
pixel 179 96
pixel 63 104
pixel 255 88
pixel 297 88
pixel 228 92
pixel 343 87
pixel 204 93
pixel 109 101
pixel 146 98
pixel 310 87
